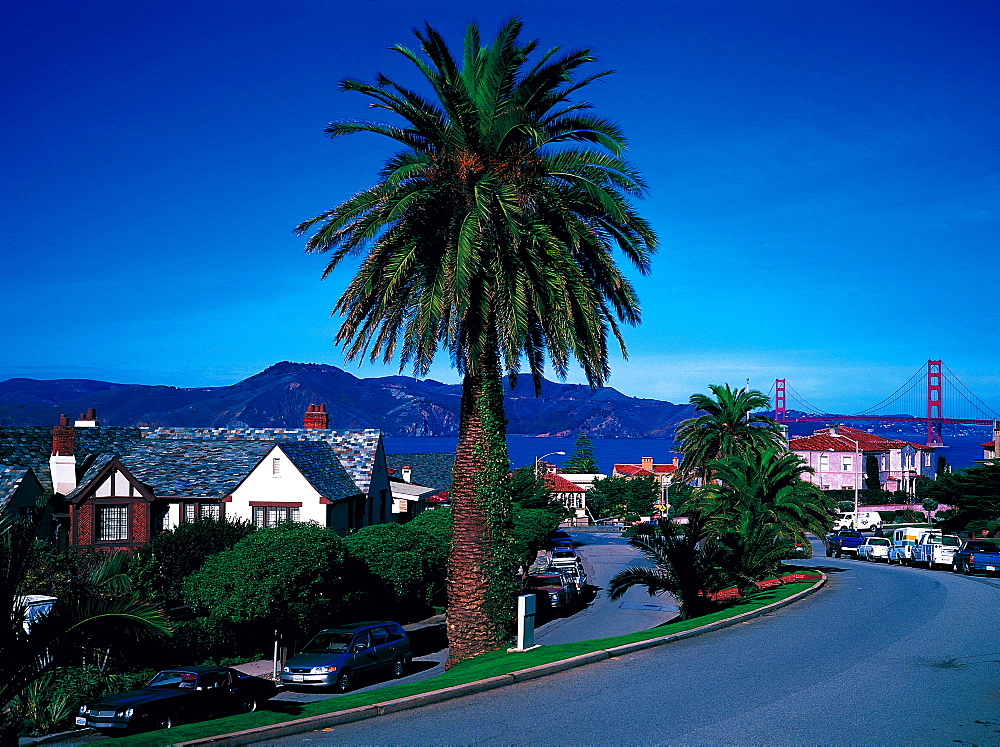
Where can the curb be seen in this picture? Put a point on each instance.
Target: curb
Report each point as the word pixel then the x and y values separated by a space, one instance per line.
pixel 313 723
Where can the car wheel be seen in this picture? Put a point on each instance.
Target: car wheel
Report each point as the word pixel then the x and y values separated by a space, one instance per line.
pixel 344 681
pixel 398 668
pixel 166 721
pixel 829 553
pixel 249 705
pixel 837 554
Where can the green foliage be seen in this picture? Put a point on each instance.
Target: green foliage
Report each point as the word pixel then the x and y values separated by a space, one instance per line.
pixel 50 703
pixel 531 529
pixel 96 614
pixel 679 568
pixel 929 504
pixel 942 466
pixel 582 460
pixel 974 493
pixel 908 516
pixel 161 567
pixel 727 428
pixel 409 559
pixel 289 576
pixel 616 496
pixel 528 491
pixel 873 481
pixel 845 506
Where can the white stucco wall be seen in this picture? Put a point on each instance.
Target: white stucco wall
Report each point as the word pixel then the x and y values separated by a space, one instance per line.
pixel 286 487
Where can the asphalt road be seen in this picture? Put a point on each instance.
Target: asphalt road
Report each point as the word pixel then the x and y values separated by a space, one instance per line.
pixel 880 655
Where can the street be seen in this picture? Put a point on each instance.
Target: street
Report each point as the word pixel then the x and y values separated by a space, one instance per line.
pixel 881 654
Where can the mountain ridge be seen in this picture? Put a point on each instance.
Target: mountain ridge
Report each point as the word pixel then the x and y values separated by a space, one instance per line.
pixel 397 405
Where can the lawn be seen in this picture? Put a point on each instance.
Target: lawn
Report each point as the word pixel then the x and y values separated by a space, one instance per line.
pixel 487 665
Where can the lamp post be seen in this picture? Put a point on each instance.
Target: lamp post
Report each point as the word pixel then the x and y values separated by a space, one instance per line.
pixel 538 459
pixel 665 495
pixel 857 459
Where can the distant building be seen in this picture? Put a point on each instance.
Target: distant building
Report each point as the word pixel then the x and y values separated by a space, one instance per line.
pixel 837 457
pixel 646 468
pixel 568 493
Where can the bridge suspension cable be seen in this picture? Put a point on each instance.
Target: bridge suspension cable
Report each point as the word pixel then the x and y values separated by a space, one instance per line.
pixel 913 381
pixel 963 391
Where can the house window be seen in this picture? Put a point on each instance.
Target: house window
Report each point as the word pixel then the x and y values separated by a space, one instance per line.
pixel 845 464
pixel 112 524
pixel 211 511
pixel 824 462
pixel 272 516
pixel 927 459
pixel 190 512
pixel 276 467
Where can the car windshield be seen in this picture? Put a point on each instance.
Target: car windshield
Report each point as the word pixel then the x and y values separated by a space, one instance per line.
pixel 850 534
pixel 329 642
pixel 880 542
pixel 545 581
pixel 951 541
pixel 171 678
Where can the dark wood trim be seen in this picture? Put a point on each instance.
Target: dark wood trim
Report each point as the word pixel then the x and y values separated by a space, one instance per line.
pixel 276 504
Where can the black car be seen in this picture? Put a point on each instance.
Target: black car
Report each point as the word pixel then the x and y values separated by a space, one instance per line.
pixel 174 696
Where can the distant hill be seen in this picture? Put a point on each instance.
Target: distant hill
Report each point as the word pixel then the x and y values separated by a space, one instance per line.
pixel 397 405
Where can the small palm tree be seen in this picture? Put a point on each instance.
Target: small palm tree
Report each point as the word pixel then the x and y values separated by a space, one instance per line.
pixel 680 568
pixel 102 613
pixel 728 426
pixel 489 234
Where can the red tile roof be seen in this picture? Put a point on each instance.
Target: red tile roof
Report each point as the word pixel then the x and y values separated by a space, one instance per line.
pixel 637 470
pixel 559 484
pixel 821 440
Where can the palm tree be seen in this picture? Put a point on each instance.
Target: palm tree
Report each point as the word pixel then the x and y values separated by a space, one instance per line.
pixel 680 567
pixel 102 612
pixel 769 487
pixel 489 234
pixel 727 427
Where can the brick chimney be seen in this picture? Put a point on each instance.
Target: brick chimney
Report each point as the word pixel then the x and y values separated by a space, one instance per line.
pixel 62 463
pixel 407 473
pixel 87 419
pixel 647 463
pixel 316 417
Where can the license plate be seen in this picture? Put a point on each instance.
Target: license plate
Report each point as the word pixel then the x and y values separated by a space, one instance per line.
pixel 81 721
pixel 296 678
pixel 991 568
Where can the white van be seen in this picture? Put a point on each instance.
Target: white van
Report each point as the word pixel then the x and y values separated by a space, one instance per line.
pixel 863 520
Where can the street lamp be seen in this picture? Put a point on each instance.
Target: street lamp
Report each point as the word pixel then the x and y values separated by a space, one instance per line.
pixel 857 477
pixel 538 459
pixel 665 494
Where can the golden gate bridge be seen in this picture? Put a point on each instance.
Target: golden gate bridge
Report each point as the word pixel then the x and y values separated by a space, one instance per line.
pixel 929 390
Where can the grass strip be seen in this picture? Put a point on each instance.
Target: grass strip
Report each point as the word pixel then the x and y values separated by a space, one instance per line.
pixel 481 667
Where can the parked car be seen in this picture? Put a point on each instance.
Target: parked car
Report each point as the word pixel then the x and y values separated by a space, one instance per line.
pixel 335 656
pixel 903 540
pixel 863 520
pixel 844 542
pixel 977 556
pixel 175 696
pixel 551 589
pixel 874 549
pixel 563 554
pixel 933 548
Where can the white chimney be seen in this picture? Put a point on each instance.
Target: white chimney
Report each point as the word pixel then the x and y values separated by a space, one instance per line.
pixel 87 419
pixel 62 463
pixel 407 473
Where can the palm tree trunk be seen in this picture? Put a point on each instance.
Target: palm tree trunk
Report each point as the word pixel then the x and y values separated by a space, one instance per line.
pixel 479 597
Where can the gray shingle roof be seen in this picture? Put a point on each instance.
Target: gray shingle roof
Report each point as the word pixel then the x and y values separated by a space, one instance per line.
pixel 320 465
pixel 31 446
pixel 356 450
pixel 432 470
pixel 10 480
pixel 194 468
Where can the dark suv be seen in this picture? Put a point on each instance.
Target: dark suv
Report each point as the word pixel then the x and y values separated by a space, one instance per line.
pixel 335 656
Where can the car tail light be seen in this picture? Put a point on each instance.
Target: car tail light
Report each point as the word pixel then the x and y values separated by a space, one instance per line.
pixel 971 559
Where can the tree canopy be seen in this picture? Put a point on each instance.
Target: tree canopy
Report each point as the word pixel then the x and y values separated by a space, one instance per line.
pixel 582 460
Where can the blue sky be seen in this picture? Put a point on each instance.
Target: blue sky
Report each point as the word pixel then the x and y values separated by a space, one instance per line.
pixel 823 176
